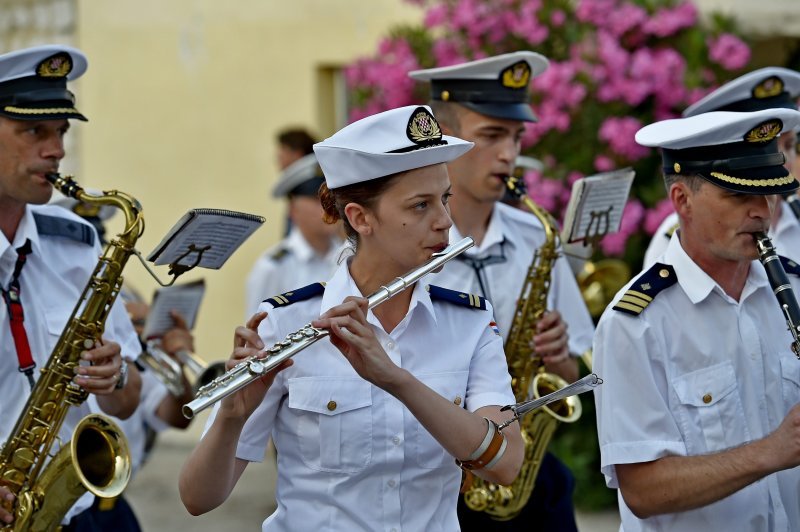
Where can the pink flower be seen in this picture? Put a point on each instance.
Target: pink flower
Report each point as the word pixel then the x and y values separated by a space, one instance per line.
pixel 729 51
pixel 666 22
pixel 436 16
pixel 557 18
pixel 603 163
pixel 653 217
pixel 619 134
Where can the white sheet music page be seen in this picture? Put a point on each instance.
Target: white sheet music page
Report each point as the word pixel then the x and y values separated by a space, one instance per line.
pixel 184 298
pixel 211 234
pixel 595 206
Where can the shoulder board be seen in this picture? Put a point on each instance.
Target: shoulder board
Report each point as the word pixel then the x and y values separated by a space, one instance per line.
pixel 301 294
pixel 279 253
pixel 645 288
pixel 56 226
pixel 790 266
pixel 669 232
pixel 459 298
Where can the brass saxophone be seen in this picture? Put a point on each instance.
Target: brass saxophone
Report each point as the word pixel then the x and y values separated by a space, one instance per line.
pixel 528 378
pixel 97 457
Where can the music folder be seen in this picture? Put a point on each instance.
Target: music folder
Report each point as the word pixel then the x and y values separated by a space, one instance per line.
pixel 204 238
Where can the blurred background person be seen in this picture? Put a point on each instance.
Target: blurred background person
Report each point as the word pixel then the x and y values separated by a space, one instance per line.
pixel 309 253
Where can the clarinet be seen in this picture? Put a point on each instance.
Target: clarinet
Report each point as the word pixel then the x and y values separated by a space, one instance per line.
pixel 780 286
pixel 253 368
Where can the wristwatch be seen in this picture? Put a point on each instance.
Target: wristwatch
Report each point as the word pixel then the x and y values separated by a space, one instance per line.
pixel 123 375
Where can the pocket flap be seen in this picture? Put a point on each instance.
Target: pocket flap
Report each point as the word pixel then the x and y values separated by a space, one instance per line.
pixel 707 386
pixel 329 395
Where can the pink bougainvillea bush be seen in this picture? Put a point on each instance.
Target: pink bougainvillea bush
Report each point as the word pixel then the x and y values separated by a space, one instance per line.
pixel 615 66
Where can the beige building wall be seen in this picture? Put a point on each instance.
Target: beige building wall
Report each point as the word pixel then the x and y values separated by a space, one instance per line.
pixel 184 100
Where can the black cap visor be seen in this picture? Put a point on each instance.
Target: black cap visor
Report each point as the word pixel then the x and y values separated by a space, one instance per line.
pixel 508 111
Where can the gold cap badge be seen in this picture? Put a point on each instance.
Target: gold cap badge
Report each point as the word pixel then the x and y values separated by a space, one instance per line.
pixel 516 76
pixel 764 132
pixel 423 128
pixel 55 66
pixel 772 86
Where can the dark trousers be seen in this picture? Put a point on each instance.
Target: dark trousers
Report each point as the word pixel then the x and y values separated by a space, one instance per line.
pixel 105 517
pixel 548 510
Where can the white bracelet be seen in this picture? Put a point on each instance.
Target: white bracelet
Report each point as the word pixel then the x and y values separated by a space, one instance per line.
pixel 485 444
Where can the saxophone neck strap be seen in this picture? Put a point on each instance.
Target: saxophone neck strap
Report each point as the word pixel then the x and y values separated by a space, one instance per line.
pixel 16 315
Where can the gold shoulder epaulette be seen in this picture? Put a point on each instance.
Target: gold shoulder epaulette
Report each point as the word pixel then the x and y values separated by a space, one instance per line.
pixel 279 253
pixel 669 232
pixel 301 294
pixel 791 267
pixel 645 288
pixel 458 298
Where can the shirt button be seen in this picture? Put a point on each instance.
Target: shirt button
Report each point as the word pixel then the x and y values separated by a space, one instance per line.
pixel 396 440
pixel 707 398
pixel 390 345
pixel 331 405
pixel 391 483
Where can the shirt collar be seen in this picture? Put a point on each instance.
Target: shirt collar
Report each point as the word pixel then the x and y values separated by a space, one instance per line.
pixel 8 254
pixel 696 283
pixel 342 285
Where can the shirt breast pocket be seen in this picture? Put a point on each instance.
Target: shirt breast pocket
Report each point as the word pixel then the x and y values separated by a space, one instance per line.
pixel 333 422
pixel 56 319
pixel 429 452
pixel 710 403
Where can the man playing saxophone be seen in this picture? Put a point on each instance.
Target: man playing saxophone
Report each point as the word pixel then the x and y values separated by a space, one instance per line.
pixel 46 254
pixel 700 429
pixel 486 102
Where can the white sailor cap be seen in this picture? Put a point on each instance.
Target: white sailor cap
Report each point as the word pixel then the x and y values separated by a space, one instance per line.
pixel 765 88
pixel 384 144
pixel 301 178
pixel 33 82
pixel 495 86
pixel 735 151
pixel 528 163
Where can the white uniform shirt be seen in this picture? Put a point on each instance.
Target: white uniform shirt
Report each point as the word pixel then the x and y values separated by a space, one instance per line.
pixel 51 283
pixel 290 264
pixel 696 373
pixel 785 236
pixel 351 456
pixel 511 239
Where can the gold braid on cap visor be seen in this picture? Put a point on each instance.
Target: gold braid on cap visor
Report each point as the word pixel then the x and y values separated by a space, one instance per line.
pixel 40 111
pixel 774 182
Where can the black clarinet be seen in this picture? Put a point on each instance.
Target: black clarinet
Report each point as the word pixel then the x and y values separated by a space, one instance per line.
pixel 780 286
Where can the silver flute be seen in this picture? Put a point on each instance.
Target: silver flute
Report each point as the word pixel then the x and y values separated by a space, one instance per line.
pixel 253 368
pixel 520 409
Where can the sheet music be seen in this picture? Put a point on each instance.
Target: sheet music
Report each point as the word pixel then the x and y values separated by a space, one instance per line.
pixel 214 232
pixel 596 205
pixel 184 298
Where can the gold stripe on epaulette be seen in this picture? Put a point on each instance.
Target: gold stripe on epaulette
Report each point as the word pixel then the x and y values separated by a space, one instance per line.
pixel 41 111
pixel 474 301
pixel 280 299
pixel 633 300
pixel 778 181
pixel 632 308
pixel 640 295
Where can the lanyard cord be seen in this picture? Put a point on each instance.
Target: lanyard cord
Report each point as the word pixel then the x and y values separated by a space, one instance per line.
pixel 16 315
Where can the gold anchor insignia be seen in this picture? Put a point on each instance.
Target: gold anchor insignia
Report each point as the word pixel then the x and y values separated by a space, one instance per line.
pixel 764 132
pixel 55 66
pixel 423 127
pixel 516 76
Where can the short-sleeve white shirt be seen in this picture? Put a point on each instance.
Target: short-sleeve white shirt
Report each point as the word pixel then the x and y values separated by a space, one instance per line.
pixel 350 455
pixel 696 373
pixel 51 283
pixel 515 235
pixel 290 264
